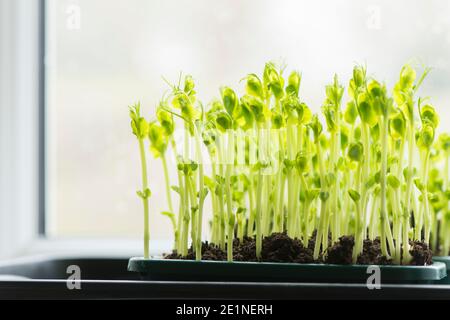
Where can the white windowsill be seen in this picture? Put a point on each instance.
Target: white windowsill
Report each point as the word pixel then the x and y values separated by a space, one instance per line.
pixel 92 248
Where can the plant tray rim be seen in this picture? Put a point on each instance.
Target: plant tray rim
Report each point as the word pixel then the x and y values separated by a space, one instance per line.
pixel 442 259
pixel 166 268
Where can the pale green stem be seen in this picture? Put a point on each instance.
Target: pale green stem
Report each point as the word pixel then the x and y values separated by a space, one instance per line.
pixel 445 238
pixel 167 180
pixel 229 167
pixel 357 249
pixel 201 202
pixel 251 217
pixel 181 206
pixel 145 199
pixel 259 205
pixel 385 229
pixel 365 178
pixel 321 238
pixel 427 212
pixel 409 189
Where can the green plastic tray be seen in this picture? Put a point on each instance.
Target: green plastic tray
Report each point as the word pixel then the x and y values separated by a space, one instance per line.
pixel 445 260
pixel 183 270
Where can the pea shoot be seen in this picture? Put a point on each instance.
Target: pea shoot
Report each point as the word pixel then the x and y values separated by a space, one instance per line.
pixel 275 167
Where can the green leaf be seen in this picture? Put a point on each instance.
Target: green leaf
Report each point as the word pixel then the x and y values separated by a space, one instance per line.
pixel 210 183
pixel 324 195
pixel 429 115
pixel 183 102
pixel 244 117
pixel 393 181
pixel 356 151
pixel 273 81
pixel 277 120
pixel 224 121
pixel 406 173
pixel 139 125
pixel 354 195
pixel 294 82
pixel 144 194
pixel 165 119
pixel 158 139
pixel 176 189
pixel 189 85
pixel 341 163
pixel 344 137
pixel 335 92
pixel 331 117
pixel 257 107
pixel 313 193
pixel 204 193
pixel 407 77
pixel 371 182
pixel 425 137
pixel 418 184
pixel 351 113
pixel 254 86
pixel 301 163
pixel 397 126
pixel 316 127
pixel 359 76
pixel 366 111
pixel 444 142
pixel 230 100
pixel 168 214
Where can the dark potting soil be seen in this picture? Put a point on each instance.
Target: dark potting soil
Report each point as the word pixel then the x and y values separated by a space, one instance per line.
pixel 421 253
pixel 372 253
pixel 245 250
pixel 210 252
pixel 341 253
pixel 279 247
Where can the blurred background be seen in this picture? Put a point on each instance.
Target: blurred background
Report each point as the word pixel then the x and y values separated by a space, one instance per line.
pixel 101 56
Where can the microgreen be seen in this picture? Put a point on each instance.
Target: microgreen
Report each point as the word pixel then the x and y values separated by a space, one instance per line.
pixel 277 167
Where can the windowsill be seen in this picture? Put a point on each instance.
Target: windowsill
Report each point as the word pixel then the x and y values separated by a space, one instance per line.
pixel 92 248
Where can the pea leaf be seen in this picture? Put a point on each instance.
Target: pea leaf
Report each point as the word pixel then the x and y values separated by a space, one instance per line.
pixel 354 195
pixel 393 181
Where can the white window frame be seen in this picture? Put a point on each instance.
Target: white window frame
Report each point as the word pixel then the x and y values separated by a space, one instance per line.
pixel 19 105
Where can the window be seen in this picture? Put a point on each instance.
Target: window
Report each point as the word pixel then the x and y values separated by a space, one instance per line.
pixel 104 55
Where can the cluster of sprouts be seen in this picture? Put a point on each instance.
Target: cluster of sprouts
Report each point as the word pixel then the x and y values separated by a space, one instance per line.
pixel 372 167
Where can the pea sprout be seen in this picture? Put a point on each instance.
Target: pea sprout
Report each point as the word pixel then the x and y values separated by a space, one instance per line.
pixel 275 167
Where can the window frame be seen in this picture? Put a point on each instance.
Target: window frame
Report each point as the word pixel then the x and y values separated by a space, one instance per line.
pixel 19 126
pixel 42 177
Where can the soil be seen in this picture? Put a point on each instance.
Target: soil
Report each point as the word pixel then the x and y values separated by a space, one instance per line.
pixel 341 251
pixel 210 252
pixel 279 247
pixel 245 251
pixel 372 253
pixel 421 253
